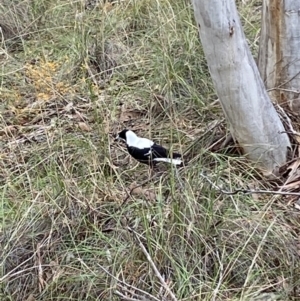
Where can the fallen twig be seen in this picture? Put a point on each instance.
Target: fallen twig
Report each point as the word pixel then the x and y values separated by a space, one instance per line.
pixel 155 269
pixel 248 191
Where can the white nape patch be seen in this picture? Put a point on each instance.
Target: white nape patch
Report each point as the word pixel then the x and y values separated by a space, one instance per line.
pixel 169 160
pixel 133 140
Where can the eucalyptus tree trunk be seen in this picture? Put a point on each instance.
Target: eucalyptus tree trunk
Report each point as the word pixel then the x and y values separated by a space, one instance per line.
pixel 279 51
pixel 253 120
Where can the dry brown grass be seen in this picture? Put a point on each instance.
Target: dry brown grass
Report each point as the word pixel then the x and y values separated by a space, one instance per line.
pixel 70 228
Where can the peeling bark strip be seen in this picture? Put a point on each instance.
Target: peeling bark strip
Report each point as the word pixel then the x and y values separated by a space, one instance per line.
pixel 279 51
pixel 253 120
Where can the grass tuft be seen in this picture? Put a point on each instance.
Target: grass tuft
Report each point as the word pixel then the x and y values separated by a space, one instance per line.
pixel 80 219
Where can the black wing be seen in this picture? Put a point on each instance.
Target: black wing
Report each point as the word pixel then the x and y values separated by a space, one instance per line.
pixel 140 154
pixel 158 151
pixel 146 155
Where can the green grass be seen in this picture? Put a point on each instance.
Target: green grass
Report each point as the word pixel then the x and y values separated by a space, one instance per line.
pixel 70 229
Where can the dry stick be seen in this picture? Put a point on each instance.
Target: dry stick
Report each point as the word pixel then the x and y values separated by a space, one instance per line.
pixel 210 128
pixel 127 290
pixel 127 285
pixel 35 267
pixel 157 273
pixel 216 290
pixel 286 118
pixel 281 85
pixel 246 191
pixel 125 297
pixel 290 132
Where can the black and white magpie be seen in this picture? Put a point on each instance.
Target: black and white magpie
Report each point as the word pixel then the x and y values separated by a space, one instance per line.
pixel 146 151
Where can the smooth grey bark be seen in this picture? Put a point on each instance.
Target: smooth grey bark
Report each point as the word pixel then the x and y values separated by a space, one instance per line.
pixel 253 120
pixel 279 51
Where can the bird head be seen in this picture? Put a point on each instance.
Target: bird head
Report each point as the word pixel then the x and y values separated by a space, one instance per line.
pixel 122 136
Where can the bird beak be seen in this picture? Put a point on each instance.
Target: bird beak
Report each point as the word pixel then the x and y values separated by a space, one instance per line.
pixel 117 138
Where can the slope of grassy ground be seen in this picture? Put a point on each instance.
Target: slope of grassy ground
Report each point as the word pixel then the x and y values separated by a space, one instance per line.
pixel 80 220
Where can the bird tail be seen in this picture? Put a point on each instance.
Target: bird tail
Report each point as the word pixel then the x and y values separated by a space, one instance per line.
pixel 175 161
